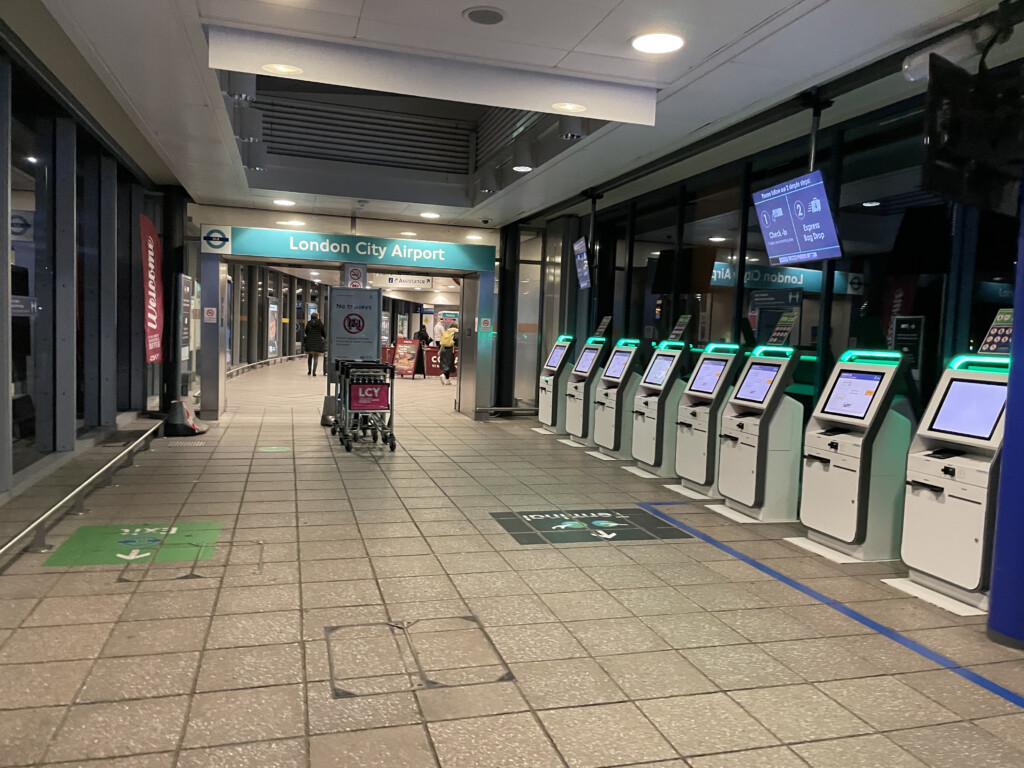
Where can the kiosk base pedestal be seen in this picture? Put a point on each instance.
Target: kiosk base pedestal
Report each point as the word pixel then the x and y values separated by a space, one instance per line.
pixel 859 552
pixel 662 471
pixel 977 600
pixel 774 513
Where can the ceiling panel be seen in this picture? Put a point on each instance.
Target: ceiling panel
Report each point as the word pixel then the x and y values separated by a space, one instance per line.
pixel 339 21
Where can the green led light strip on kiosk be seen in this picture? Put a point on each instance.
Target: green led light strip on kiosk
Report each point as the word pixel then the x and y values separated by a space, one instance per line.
pixel 872 356
pixel 766 351
pixel 564 337
pixel 721 349
pixel 981 363
pixel 628 343
pixel 670 345
pixel 596 340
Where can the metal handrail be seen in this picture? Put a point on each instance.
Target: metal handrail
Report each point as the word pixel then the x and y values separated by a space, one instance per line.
pixel 38 543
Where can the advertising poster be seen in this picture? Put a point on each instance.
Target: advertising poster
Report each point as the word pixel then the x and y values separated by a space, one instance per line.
pixel 355 324
pixel 153 289
pixel 273 330
pixel 405 357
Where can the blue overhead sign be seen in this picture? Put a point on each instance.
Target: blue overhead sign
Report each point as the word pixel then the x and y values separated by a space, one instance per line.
pixel 782 278
pixel 796 222
pixel 316 246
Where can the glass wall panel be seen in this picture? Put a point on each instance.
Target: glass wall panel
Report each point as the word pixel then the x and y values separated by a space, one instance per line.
pixel 527 325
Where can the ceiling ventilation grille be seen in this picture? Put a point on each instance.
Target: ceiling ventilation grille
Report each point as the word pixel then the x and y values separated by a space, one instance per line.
pixel 300 128
pixel 498 128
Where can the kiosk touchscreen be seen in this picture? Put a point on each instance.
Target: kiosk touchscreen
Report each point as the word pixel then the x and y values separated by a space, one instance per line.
pixel 699 417
pixel 614 391
pixel 654 405
pixel 855 459
pixel 952 479
pixel 553 382
pixel 760 439
pixel 580 391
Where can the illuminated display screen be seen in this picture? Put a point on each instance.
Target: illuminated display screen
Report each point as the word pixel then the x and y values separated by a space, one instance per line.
pixel 556 356
pixel 755 385
pixel 617 365
pixel 586 361
pixel 705 379
pixel 970 408
pixel 658 370
pixel 852 394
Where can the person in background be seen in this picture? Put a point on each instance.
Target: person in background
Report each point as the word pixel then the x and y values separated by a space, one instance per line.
pixel 315 342
pixel 446 359
pixel 438 330
pixel 423 337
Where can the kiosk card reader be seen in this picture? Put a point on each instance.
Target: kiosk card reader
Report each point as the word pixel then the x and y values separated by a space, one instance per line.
pixel 654 407
pixel 553 382
pixel 855 459
pixel 952 479
pixel 699 419
pixel 761 439
pixel 580 391
pixel 613 397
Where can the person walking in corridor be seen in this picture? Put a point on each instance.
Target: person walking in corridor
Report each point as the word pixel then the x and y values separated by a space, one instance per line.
pixel 446 358
pixel 315 342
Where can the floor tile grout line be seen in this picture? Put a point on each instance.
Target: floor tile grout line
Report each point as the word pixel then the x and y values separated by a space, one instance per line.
pixel 898 637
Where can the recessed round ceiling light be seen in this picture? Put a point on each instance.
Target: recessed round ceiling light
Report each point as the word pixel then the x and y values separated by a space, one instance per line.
pixel 568 106
pixel 285 203
pixel 871 204
pixel 717 239
pixel 657 42
pixel 474 237
pixel 282 69
pixel 430 215
pixel 522 168
pixel 292 223
pixel 407 234
pixel 484 14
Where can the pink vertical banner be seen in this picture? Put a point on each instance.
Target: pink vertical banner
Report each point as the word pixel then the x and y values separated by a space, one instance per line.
pixel 152 289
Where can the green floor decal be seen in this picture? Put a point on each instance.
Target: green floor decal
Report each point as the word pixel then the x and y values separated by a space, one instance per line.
pixel 138 542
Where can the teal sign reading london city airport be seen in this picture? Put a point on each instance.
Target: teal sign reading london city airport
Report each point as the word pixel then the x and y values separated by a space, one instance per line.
pixel 317 246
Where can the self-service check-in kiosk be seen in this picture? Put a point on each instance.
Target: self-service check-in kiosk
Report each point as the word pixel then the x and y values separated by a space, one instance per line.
pixel 855 459
pixel 699 419
pixel 581 389
pixel 654 408
pixel 615 390
pixel 553 382
pixel 761 439
pixel 952 479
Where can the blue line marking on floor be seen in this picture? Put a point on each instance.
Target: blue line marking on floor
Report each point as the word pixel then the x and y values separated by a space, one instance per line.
pixel 936 658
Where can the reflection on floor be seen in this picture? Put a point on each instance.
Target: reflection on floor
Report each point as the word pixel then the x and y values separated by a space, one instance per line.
pixel 259 597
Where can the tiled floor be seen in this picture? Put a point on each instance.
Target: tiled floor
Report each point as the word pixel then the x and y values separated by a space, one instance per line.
pixel 341 582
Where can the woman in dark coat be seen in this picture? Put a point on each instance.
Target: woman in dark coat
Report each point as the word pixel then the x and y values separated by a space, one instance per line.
pixel 315 342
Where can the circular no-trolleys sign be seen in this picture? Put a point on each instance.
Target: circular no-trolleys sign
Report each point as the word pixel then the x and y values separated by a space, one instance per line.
pixel 353 323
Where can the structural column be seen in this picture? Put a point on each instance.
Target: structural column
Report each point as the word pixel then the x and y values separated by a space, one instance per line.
pixel 6 415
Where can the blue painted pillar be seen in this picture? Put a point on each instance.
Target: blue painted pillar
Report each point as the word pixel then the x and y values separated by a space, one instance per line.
pixel 1006 606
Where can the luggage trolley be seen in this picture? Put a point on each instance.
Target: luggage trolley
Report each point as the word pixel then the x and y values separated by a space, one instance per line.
pixel 366 404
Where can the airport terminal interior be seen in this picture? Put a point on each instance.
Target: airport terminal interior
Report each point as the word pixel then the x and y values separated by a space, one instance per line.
pixel 618 384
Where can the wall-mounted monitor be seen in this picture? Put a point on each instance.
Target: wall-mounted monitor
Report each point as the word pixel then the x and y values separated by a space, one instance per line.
pixel 658 370
pixel 586 361
pixel 757 382
pixel 579 248
pixel 970 408
pixel 555 358
pixel 796 222
pixel 852 394
pixel 617 364
pixel 707 376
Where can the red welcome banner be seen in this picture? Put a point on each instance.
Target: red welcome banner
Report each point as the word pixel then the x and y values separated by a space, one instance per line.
pixel 152 290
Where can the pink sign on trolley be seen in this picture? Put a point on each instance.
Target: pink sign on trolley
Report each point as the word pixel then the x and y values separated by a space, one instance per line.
pixel 369 397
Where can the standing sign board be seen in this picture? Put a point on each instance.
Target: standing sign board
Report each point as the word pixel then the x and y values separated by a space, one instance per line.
pixel 603 325
pixel 355 324
pixel 997 341
pixel 405 357
pixel 908 340
pixel 783 328
pixel 680 329
pixel 355 275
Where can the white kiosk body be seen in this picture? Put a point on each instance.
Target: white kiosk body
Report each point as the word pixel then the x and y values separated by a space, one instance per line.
pixel 699 417
pixel 613 397
pixel 952 480
pixel 553 381
pixel 855 459
pixel 761 440
pixel 654 406
pixel 579 393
